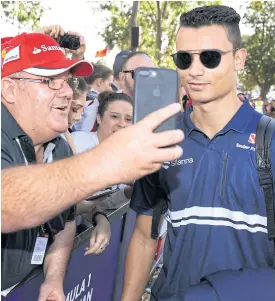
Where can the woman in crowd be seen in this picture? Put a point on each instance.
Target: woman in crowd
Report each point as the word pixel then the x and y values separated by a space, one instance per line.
pixel 99 81
pixel 115 112
pixel 80 90
pixel 102 232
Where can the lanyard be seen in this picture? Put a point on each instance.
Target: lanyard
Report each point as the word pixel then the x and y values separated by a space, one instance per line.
pixel 47 158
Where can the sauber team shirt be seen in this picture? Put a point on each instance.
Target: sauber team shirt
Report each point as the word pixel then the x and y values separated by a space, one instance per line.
pixel 216 209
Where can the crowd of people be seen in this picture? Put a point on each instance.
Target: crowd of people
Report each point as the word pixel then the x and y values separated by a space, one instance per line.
pixel 266 106
pixel 68 137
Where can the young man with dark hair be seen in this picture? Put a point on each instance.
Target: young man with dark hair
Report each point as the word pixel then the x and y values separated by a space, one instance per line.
pixel 131 63
pixel 211 196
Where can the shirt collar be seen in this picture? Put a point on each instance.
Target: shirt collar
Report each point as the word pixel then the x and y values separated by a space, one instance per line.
pixel 238 123
pixel 240 120
pixel 13 129
pixel 9 124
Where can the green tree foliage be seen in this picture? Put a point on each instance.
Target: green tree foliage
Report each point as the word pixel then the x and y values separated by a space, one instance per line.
pixel 260 66
pixel 158 21
pixel 23 12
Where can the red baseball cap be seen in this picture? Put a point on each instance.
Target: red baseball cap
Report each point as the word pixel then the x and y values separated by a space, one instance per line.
pixel 38 54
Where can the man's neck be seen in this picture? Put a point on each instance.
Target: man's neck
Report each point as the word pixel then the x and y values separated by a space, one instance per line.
pixel 212 117
pixel 39 153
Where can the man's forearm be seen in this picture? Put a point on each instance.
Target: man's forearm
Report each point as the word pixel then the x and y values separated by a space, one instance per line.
pixel 138 266
pixel 56 261
pixel 34 194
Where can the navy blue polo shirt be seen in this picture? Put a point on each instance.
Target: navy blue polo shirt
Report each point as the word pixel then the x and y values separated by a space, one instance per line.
pixel 215 206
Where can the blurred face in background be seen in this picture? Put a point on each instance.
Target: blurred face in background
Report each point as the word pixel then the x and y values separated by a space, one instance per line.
pixel 76 110
pixel 135 62
pixel 118 115
pixel 241 96
pixel 103 85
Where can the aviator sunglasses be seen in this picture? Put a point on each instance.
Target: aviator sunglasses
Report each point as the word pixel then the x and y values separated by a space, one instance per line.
pixel 209 58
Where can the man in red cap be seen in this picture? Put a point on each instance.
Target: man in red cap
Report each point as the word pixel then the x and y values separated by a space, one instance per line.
pixel 38 199
pixel 35 103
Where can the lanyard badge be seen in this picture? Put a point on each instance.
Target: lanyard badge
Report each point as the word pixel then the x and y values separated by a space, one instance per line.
pixel 40 246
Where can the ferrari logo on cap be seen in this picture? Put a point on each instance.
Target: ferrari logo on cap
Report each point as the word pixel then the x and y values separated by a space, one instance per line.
pixel 12 55
pixel 4 53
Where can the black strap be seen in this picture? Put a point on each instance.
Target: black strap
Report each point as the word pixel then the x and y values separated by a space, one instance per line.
pixel 157 211
pixel 264 134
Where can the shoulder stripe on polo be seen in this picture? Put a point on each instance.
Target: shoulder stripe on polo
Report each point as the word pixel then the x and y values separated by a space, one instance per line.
pixel 218 217
pixel 219 223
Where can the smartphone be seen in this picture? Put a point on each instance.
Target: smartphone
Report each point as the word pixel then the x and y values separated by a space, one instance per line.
pixel 155 88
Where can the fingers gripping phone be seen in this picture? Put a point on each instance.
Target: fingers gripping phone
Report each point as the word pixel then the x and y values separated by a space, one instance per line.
pixel 155 88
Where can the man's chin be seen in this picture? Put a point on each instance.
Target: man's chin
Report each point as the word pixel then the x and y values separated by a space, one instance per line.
pixel 200 98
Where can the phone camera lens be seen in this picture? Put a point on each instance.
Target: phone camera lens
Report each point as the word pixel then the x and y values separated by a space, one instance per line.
pixel 144 73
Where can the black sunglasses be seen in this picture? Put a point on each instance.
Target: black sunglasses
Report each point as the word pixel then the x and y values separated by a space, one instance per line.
pixel 130 71
pixel 209 58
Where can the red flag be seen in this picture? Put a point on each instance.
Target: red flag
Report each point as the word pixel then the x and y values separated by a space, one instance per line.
pixel 101 53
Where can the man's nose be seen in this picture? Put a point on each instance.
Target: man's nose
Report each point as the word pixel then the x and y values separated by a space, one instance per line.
pixel 196 68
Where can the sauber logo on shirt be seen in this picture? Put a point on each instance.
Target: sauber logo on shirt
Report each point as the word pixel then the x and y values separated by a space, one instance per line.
pixel 252 138
pixel 168 164
pixel 44 48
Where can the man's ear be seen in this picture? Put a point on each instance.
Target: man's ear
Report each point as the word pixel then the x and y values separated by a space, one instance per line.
pixel 8 90
pixel 240 58
pixel 121 76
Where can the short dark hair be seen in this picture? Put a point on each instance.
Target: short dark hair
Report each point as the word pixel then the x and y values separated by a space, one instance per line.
pixel 100 71
pixel 131 55
pixel 79 89
pixel 215 15
pixel 106 98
